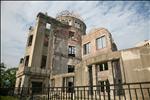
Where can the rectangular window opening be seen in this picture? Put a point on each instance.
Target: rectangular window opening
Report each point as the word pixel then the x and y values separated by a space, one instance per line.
pixel 26 60
pixel 86 48
pixel 104 86
pixel 70 84
pixel 70 87
pixel 46 39
pixel 70 68
pixel 43 62
pixel 103 66
pixel 70 22
pixel 77 25
pixel 71 51
pixel 21 60
pixel 30 40
pixel 52 83
pixel 101 42
pixel 48 26
pixel 71 34
pixel 100 67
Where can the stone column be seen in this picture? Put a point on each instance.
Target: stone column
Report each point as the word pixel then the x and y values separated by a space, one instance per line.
pixel 24 84
pixel 110 76
pixel 122 71
pixel 90 79
pixel 16 91
pixel 25 80
pixel 94 74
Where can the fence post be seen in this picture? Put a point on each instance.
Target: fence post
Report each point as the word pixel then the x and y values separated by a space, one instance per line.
pixel 71 95
pixel 129 91
pixel 142 91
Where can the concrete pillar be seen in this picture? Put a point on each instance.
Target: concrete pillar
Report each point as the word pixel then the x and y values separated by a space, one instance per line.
pixel 17 82
pixel 90 70
pixel 47 82
pixel 17 85
pixel 110 76
pixel 25 81
pixel 94 74
pixel 25 84
pixel 122 71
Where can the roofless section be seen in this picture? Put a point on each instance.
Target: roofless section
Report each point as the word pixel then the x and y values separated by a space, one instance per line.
pixel 72 19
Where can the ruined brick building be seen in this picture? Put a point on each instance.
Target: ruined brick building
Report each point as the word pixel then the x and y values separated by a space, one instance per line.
pixel 59 53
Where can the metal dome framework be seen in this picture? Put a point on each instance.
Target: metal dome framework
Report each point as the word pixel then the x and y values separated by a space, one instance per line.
pixel 68 13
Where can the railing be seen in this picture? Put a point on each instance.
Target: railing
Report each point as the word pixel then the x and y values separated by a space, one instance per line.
pixel 128 91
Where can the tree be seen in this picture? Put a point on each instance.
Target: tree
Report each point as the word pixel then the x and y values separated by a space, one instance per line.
pixel 8 76
pixel 2 69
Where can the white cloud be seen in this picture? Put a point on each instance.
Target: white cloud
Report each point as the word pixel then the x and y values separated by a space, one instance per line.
pixel 127 21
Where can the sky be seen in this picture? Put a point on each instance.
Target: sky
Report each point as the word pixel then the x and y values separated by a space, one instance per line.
pixel 127 21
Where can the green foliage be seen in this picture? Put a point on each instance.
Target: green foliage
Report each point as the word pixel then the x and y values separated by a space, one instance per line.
pixel 8 98
pixel 2 69
pixel 8 76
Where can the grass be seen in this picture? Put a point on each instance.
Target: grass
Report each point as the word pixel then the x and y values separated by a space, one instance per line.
pixel 8 98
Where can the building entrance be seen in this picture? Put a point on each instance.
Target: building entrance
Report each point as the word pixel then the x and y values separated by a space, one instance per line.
pixel 36 87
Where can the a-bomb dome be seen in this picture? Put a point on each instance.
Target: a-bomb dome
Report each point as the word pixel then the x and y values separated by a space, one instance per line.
pixel 69 13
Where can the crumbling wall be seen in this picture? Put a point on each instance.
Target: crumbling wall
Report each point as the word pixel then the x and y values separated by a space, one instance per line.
pixel 136 64
pixel 91 37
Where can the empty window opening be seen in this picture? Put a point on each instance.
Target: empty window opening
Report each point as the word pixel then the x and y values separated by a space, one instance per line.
pixel 21 60
pixel 52 82
pixel 65 21
pixel 43 62
pixel 104 86
pixel 71 34
pixel 70 87
pixel 46 39
pixel 69 83
pixel 101 42
pixel 30 40
pixel 70 68
pixel 71 51
pixel 147 44
pixel 70 22
pixel 86 48
pixel 64 83
pixel 26 60
pixel 90 79
pixel 77 25
pixel 103 66
pixel 48 26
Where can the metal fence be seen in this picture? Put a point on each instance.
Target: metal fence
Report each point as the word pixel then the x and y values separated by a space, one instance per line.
pixel 128 91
